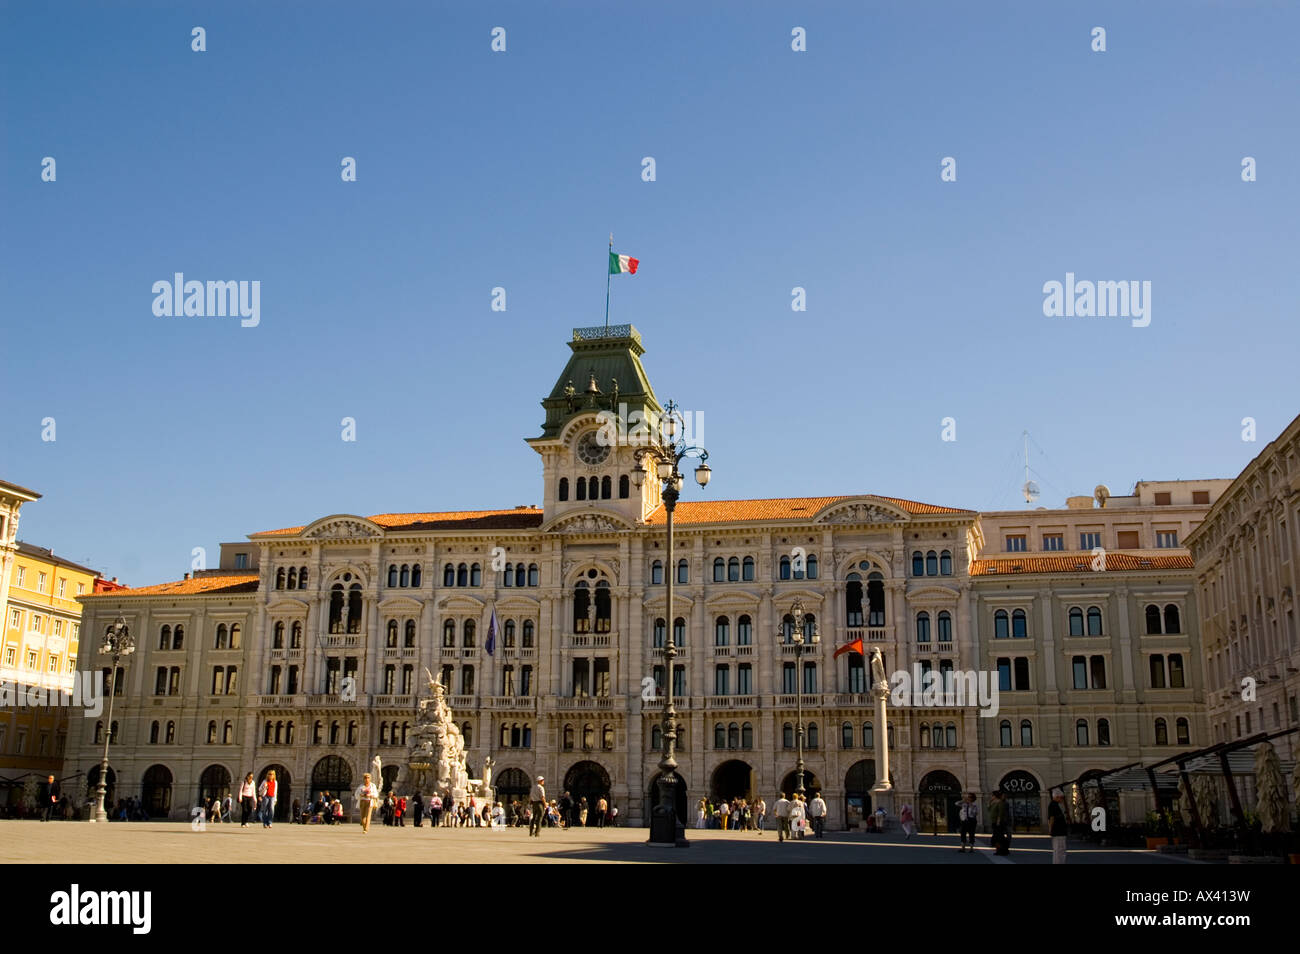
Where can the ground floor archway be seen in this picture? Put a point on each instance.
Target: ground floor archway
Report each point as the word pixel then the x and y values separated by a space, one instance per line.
pixel 1024 800
pixel 283 790
pixel 811 783
pixel 857 792
pixel 588 780
pixel 110 791
pixel 156 791
pixel 731 779
pixel 332 774
pixel 680 801
pixel 938 796
pixel 214 783
pixel 512 787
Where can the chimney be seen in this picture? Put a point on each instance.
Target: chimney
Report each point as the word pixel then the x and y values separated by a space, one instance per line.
pixel 187 576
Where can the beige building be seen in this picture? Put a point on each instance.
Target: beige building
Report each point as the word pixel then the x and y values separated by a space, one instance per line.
pixel 307 649
pixel 1247 577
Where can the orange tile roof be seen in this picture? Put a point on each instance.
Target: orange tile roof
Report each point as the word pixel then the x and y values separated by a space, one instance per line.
pixel 1006 566
pixel 778 508
pixel 512 519
pixel 222 584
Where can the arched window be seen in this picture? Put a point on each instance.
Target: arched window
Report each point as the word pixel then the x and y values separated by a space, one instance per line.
pixel 604 607
pixel 950 734
pixel 785 568
pixel 1176 671
pixel 931 563
pixel 945 626
pixel 733 570
pixel 352 733
pixel 153 733
pixel 925 735
pixel 1184 732
pixel 656 738
pixel 1094 621
pixel 164 637
pixel 607 732
pixel 171 732
pixel 747 569
pixel 787 736
pixel 404 580
pixel 1162 732
pixel 875 599
pixel 787 629
pixel 722 631
pixel 178 637
pixel 467 635
pixel 448 575
pixel 588 736
pixel 279 578
pixel 467 732
pixel 868 736
pixel 1001 625
pixel 945 563
pixel 1026 732
pixel 221 635
pixel 624 488
pixel 508 636
pixel 234 635
pixel 302 578
pixel 746 735
pixel 683 571
pixel 277 635
pixel 293 577
pixel 1153 620
pixel 1103 732
pixel 415 576
pixel 813 738
pixel 918 563
pixel 392 575
pixel 606 488
pixel 449 634
pixel 533 575
pixel 719 736
pixel 744 631
pixel 811 565
pixel 564 489
pixel 853 600
pixel 528 634
pixel 409 635
pixel 581 488
pixel 316 729
pixel 581 607
pixel 846 735
pixel 521 575
pixel 1171 619
pixel 1081 732
pixel 657 571
pixel 679 633
pixel 1019 624
pixel 475 575
pixel 922 627
pixel 391 642
pixel 268 732
pixel 568 737
pixel 462 574
pixel 1076 621
pixel 1004 733
pixel 295 635
pixel 228 733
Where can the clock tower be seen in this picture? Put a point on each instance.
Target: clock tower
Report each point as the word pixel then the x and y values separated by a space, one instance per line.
pixel 600 411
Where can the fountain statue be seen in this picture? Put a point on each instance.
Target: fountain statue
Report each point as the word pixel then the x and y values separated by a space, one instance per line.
pixel 435 760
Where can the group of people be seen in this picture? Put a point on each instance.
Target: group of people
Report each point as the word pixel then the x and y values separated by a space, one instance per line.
pixel 565 812
pixel 736 814
pixel 1001 822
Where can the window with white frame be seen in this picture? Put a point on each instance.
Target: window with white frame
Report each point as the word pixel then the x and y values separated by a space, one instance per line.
pixel 63 587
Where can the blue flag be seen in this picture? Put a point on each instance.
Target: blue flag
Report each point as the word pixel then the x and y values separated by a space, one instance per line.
pixel 491 643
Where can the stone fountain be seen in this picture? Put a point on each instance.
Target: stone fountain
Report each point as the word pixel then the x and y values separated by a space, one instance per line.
pixel 435 759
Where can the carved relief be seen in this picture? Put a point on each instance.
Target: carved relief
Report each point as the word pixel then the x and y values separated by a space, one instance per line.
pixel 862 513
pixel 343 530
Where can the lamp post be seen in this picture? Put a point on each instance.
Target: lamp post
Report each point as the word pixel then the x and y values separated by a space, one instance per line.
pixel 800 645
pixel 118 642
pixel 665 452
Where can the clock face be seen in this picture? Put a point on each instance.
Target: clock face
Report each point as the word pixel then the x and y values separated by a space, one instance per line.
pixel 591 450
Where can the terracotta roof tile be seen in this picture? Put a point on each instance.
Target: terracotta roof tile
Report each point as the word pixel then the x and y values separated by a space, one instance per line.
pixel 778 508
pixel 222 584
pixel 513 519
pixel 1006 566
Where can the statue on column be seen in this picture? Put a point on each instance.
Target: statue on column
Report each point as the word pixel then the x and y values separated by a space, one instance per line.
pixel 879 684
pixel 487 773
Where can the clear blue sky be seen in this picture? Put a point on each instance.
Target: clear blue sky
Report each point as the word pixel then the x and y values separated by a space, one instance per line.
pixel 775 169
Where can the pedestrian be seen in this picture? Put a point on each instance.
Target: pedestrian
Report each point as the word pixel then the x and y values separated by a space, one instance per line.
pixel 267 791
pixel 817 812
pixel 1058 827
pixel 724 814
pixel 296 816
pixel 998 822
pixel 216 811
pixel 449 810
pixel 336 808
pixel 228 809
pixel 582 811
pixel 799 816
pixel 969 817
pixel 50 793
pixel 247 792
pixel 760 814
pixel 417 809
pixel 401 812
pixel 537 806
pixel 701 813
pixel 366 794
pixel 783 808
pixel 435 810
pixel 906 820
pixel 602 810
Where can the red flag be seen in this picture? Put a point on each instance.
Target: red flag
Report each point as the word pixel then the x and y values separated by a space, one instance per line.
pixel 853 647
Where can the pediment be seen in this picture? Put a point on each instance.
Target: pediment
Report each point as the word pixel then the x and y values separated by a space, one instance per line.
pixel 395 604
pixel 288 604
pixel 342 526
pixel 865 509
pixel 588 522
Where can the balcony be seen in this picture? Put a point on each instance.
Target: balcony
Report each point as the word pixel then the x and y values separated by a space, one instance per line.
pixel 287 653
pixel 731 702
pixel 393 701
pixel 281 702
pixel 680 703
pixel 463 702
pixel 588 640
pixel 682 651
pixel 849 699
pixel 868 635
pixel 511 703
pixel 588 703
pixel 810 700
pixel 523 652
pixel 328 699
pixel 343 641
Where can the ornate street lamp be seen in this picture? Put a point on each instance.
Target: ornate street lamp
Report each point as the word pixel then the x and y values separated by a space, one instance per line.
pixel 118 642
pixel 665 452
pixel 800 644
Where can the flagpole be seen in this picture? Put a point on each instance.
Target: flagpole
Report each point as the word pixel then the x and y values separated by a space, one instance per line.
pixel 611 252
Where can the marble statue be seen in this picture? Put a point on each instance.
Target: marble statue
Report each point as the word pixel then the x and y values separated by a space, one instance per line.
pixel 435 759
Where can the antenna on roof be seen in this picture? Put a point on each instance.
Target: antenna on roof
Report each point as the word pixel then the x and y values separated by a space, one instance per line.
pixel 1030 489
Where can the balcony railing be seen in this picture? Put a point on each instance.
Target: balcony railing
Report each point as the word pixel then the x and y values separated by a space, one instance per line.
pixel 598 703
pixel 791 700
pixel 330 699
pixel 394 701
pixel 589 640
pixel 463 702
pixel 512 703
pixel 343 641
pixel 731 702
pixel 279 701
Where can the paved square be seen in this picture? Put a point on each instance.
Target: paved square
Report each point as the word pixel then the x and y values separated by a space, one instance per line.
pixel 28 842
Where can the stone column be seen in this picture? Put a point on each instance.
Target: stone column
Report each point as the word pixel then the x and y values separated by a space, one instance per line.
pixel 882 793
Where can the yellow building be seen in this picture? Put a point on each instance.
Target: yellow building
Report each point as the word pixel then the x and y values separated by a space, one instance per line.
pixel 39 634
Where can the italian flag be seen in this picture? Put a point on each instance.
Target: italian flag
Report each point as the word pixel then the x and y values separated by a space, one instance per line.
pixel 622 264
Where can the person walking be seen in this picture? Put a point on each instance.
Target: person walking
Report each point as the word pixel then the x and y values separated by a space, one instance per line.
pixel 50 793
pixel 247 792
pixel 998 812
pixel 582 811
pixel 799 816
pixel 760 814
pixel 783 809
pixel 267 791
pixel 602 811
pixel 417 809
pixel 435 810
pixel 968 814
pixel 228 809
pixel 817 812
pixel 366 794
pixel 724 813
pixel 537 804
pixel 1058 826
pixel 906 820
pixel 401 812
pixel 701 811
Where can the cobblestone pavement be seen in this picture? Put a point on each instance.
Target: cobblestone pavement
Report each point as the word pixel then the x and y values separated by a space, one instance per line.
pixel 176 843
